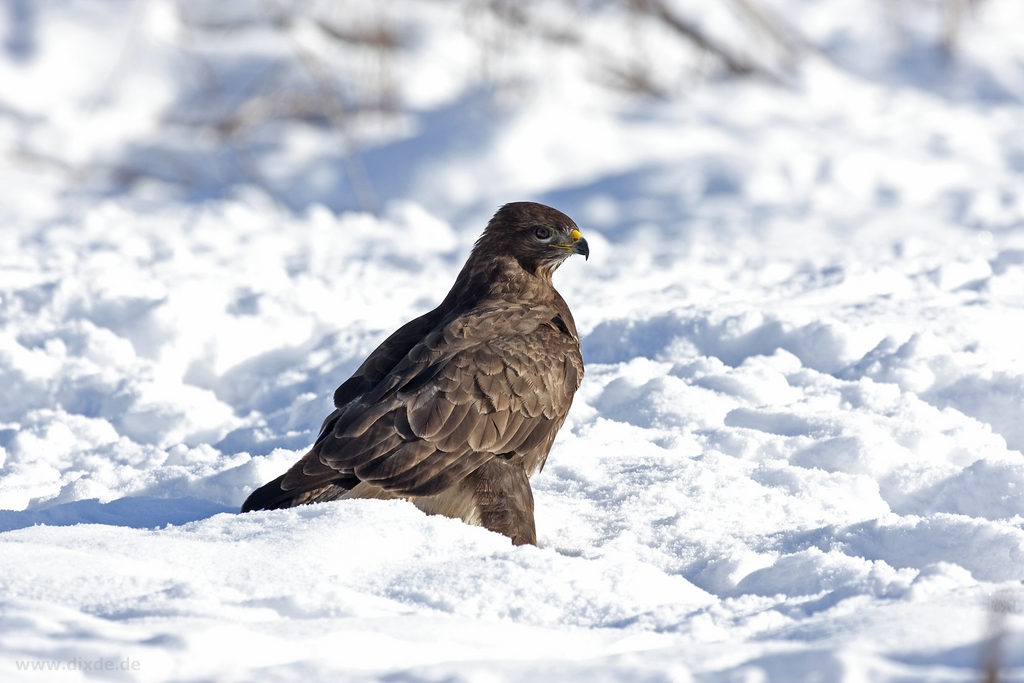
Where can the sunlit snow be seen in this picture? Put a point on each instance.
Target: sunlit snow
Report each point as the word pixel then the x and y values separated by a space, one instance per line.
pixel 797 451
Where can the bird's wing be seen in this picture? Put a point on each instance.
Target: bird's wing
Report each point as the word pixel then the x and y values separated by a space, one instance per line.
pixel 385 357
pixel 494 382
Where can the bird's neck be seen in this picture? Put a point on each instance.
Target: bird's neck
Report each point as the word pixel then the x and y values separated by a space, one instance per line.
pixel 497 278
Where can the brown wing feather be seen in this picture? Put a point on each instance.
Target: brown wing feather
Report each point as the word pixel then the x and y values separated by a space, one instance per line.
pixel 489 393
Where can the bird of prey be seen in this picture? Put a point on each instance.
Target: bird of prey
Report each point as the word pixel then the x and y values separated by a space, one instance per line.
pixel 459 407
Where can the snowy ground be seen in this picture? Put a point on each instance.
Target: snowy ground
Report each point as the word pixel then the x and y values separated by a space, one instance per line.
pixel 796 454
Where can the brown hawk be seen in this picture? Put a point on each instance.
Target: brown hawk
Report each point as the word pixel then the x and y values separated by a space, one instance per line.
pixel 459 407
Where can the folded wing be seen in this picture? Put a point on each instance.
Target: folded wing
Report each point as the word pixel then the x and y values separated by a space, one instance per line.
pixel 497 383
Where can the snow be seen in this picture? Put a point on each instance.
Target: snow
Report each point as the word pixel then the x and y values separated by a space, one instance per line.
pixel 797 453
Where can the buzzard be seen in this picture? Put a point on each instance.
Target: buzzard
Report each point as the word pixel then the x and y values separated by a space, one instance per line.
pixel 459 407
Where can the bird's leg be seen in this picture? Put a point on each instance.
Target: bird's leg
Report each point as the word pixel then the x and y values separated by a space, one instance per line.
pixel 505 500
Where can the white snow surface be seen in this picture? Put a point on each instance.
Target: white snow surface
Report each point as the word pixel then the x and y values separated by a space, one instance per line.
pixel 796 454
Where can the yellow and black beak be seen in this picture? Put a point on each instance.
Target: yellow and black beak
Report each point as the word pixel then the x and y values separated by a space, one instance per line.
pixel 579 244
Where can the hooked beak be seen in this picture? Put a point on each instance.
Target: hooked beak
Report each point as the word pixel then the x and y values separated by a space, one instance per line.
pixel 579 244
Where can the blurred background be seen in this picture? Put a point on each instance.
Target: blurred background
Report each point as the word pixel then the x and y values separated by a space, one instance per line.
pixel 211 211
pixel 352 103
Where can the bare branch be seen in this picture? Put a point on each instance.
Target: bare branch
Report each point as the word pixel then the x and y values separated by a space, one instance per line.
pixel 333 111
pixel 733 63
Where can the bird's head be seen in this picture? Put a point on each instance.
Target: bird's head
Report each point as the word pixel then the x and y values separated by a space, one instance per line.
pixel 537 236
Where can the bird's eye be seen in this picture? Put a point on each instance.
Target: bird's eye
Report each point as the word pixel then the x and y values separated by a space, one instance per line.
pixel 542 233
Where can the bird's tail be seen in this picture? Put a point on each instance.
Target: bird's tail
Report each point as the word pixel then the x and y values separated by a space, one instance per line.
pixel 270 496
pixel 308 481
